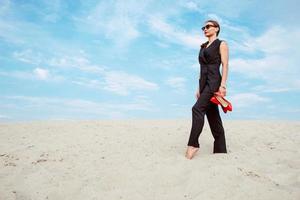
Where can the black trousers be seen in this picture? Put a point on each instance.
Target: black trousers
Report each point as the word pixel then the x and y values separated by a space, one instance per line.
pixel 203 107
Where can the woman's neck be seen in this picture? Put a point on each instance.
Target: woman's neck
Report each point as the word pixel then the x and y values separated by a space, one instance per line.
pixel 211 39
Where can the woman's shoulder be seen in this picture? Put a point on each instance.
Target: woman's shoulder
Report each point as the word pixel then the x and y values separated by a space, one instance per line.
pixel 223 42
pixel 203 45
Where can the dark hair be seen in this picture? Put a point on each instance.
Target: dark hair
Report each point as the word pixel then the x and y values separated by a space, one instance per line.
pixel 214 22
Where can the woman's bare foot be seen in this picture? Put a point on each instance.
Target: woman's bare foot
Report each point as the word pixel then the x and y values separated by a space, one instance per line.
pixel 190 152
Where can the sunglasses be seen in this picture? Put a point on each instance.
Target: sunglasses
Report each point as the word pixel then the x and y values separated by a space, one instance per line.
pixel 207 27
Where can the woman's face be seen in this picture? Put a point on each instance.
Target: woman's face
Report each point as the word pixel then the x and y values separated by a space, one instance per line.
pixel 209 29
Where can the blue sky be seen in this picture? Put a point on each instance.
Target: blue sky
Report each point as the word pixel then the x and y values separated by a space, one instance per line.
pixel 130 59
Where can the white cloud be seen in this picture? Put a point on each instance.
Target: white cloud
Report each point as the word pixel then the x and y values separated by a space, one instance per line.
pixel 278 63
pixel 214 16
pixel 242 100
pixel 35 74
pixel 191 5
pixel 116 20
pixel 52 13
pixel 177 83
pixel 162 44
pixel 76 108
pixel 4 117
pixel 4 6
pixel 276 40
pixel 121 83
pixel 42 74
pixel 77 61
pixel 91 83
pixel 28 56
pixel 228 8
pixel 9 32
pixel 173 35
pixel 118 82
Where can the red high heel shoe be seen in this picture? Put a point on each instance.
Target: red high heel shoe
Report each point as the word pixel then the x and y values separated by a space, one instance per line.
pixel 219 100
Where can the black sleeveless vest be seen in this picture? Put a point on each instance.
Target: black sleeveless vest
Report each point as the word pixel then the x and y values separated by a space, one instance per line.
pixel 210 60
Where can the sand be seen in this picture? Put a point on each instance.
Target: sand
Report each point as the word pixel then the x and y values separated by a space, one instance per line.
pixel 144 159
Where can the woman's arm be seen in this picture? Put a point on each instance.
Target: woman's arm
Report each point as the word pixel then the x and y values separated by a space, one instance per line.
pixel 224 51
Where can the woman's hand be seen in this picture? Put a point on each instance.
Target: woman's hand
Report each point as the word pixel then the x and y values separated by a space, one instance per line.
pixel 221 91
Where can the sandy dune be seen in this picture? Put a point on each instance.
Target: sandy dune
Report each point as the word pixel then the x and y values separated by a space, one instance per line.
pixel 144 159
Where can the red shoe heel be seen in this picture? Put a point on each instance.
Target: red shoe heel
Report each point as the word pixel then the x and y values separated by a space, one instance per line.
pixel 228 108
pixel 219 100
pixel 215 100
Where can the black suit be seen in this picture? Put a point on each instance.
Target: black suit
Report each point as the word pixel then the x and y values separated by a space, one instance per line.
pixel 210 79
pixel 210 60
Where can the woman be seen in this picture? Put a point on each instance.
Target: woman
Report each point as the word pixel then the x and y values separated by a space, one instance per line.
pixel 211 55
